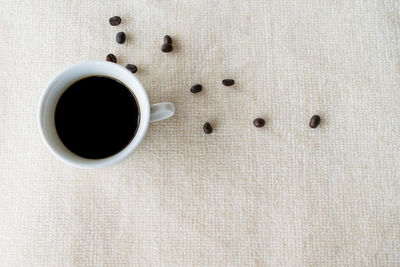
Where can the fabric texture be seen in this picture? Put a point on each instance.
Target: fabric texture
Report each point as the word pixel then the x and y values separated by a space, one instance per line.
pixel 281 195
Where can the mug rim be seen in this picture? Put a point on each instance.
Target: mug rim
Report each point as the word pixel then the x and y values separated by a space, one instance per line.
pixel 118 71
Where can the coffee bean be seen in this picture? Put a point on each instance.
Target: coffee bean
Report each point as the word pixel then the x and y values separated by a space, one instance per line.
pixel 114 21
pixel 111 58
pixel 167 39
pixel 166 48
pixel 121 37
pixel 196 88
pixel 132 68
pixel 228 82
pixel 207 128
pixel 259 122
pixel 315 120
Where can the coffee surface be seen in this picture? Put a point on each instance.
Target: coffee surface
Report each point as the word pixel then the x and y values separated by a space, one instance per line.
pixel 97 117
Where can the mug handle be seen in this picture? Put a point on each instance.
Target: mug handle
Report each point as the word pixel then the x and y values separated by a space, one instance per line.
pixel 161 111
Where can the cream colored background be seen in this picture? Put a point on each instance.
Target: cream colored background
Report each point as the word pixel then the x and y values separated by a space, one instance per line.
pixel 283 195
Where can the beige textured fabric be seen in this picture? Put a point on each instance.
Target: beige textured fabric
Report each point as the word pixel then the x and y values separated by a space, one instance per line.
pixel 283 195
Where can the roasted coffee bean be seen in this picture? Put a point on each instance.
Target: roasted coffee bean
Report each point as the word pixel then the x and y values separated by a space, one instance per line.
pixel 166 48
pixel 114 21
pixel 315 120
pixel 207 128
pixel 121 37
pixel 132 68
pixel 111 58
pixel 259 122
pixel 196 88
pixel 167 39
pixel 228 82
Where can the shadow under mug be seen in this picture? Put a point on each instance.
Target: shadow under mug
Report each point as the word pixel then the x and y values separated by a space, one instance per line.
pixel 56 87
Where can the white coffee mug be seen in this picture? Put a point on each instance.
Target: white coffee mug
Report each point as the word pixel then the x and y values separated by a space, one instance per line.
pixel 56 87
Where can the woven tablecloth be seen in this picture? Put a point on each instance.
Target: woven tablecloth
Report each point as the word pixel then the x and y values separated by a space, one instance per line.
pixel 281 195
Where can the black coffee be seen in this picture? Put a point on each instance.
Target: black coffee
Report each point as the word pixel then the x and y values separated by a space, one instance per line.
pixel 97 117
